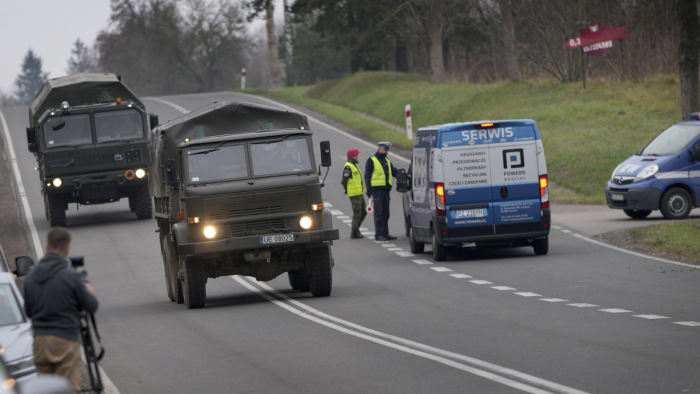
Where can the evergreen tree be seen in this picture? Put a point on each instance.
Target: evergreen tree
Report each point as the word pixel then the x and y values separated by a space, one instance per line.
pixel 81 60
pixel 31 80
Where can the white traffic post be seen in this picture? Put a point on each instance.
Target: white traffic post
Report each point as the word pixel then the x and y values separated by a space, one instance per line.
pixel 409 124
pixel 243 79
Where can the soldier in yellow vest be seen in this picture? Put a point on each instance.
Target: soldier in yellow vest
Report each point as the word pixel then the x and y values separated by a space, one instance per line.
pixel 354 187
pixel 378 177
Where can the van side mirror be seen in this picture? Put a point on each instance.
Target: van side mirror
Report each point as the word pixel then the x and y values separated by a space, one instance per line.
pixel 23 265
pixel 170 173
pixel 31 138
pixel 695 152
pixel 403 183
pixel 325 153
pixel 153 120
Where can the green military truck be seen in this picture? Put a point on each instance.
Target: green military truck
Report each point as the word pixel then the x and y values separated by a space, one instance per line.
pixel 88 133
pixel 237 192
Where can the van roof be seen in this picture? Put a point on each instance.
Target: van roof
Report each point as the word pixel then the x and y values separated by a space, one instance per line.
pixel 475 124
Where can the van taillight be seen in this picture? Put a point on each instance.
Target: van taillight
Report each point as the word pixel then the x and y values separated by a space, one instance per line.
pixel 544 191
pixel 440 199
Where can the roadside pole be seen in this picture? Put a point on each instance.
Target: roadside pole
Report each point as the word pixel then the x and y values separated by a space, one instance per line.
pixel 243 79
pixel 409 123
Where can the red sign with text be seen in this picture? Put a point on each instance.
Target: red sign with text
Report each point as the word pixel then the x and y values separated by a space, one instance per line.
pixel 597 39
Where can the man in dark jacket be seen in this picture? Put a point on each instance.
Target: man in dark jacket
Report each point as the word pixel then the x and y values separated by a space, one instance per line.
pixel 378 180
pixel 55 294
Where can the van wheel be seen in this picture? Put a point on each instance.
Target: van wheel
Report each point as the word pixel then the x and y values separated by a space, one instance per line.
pixel 407 225
pixel 140 202
pixel 439 251
pixel 636 213
pixel 57 211
pixel 166 265
pixel 416 247
pixel 541 246
pixel 194 286
pixel 299 279
pixel 321 282
pixel 675 203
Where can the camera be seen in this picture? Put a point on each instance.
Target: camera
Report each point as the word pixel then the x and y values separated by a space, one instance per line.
pixel 77 262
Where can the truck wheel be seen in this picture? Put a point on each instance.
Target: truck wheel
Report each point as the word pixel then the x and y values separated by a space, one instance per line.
pixel 57 211
pixel 416 247
pixel 541 246
pixel 173 268
pixel 299 279
pixel 194 287
pixel 166 265
pixel 140 202
pixel 675 203
pixel 321 282
pixel 636 213
pixel 439 251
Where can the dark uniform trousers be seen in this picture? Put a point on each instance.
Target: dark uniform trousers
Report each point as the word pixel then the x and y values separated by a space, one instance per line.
pixel 359 211
pixel 381 200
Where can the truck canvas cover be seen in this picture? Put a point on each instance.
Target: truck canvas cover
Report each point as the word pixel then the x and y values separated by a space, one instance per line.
pixel 218 118
pixel 80 89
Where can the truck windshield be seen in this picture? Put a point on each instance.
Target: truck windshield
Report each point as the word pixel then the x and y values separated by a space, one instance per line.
pixel 216 163
pixel 75 132
pixel 118 125
pixel 280 157
pixel 672 140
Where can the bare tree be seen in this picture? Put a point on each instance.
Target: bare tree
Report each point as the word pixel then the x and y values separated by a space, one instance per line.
pixel 509 41
pixel 256 8
pixel 688 56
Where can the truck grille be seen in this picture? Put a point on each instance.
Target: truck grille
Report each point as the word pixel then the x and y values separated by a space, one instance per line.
pixel 257 227
pixel 236 212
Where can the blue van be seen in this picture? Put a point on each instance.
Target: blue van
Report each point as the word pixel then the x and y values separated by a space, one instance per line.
pixel 665 175
pixel 482 183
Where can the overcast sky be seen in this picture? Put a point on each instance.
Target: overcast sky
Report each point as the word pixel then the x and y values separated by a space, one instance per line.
pixel 49 28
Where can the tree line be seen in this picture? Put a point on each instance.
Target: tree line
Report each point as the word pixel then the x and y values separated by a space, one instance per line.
pixel 184 46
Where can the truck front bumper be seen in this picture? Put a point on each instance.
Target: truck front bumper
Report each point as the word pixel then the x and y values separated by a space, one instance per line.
pixel 306 238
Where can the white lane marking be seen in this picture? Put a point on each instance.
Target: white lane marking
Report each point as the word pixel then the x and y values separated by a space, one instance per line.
pixel 484 369
pixel 615 310
pixel 347 221
pixel 503 288
pixel 395 249
pixel 344 217
pixel 423 262
pixel 553 300
pixel 582 305
pixel 405 254
pixel 336 212
pixel 481 282
pixel 168 103
pixel 460 276
pixel 109 387
pixel 652 317
pixel 528 294
pixel 566 231
pixel 688 323
pixel 441 269
pixel 388 245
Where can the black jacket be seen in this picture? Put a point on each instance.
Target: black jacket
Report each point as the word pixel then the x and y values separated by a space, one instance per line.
pixel 54 295
pixel 369 169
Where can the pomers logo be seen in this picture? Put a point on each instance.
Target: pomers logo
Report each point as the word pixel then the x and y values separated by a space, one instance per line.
pixel 513 158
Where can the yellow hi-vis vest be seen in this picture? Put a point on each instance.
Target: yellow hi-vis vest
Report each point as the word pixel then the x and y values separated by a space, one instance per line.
pixel 355 185
pixel 379 178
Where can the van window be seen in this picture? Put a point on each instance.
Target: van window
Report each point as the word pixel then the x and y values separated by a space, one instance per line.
pixel 672 140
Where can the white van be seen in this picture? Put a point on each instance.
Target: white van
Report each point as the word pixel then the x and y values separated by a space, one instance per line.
pixel 482 183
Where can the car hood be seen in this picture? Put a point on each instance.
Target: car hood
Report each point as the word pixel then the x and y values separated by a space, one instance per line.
pixel 633 165
pixel 16 340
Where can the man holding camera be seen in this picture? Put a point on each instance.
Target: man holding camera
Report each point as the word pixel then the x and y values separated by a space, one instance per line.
pixel 55 294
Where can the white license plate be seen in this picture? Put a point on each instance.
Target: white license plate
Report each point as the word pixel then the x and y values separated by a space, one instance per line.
pixel 617 197
pixel 275 239
pixel 469 213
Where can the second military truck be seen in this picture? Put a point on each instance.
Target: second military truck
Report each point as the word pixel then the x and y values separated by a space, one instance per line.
pixel 237 192
pixel 88 133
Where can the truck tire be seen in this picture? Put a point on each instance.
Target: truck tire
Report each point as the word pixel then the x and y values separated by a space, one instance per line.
pixel 140 202
pixel 173 269
pixel 166 265
pixel 194 286
pixel 416 247
pixel 439 251
pixel 57 211
pixel 541 246
pixel 676 203
pixel 321 281
pixel 299 279
pixel 636 213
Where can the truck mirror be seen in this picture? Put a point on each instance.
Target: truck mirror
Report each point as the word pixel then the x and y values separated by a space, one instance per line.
pixel 171 174
pixel 57 123
pixel 31 138
pixel 325 153
pixel 23 265
pixel 402 181
pixel 153 119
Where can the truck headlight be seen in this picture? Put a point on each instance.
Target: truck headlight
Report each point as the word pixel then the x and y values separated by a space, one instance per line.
pixel 140 173
pixel 57 182
pixel 209 232
pixel 305 222
pixel 646 172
